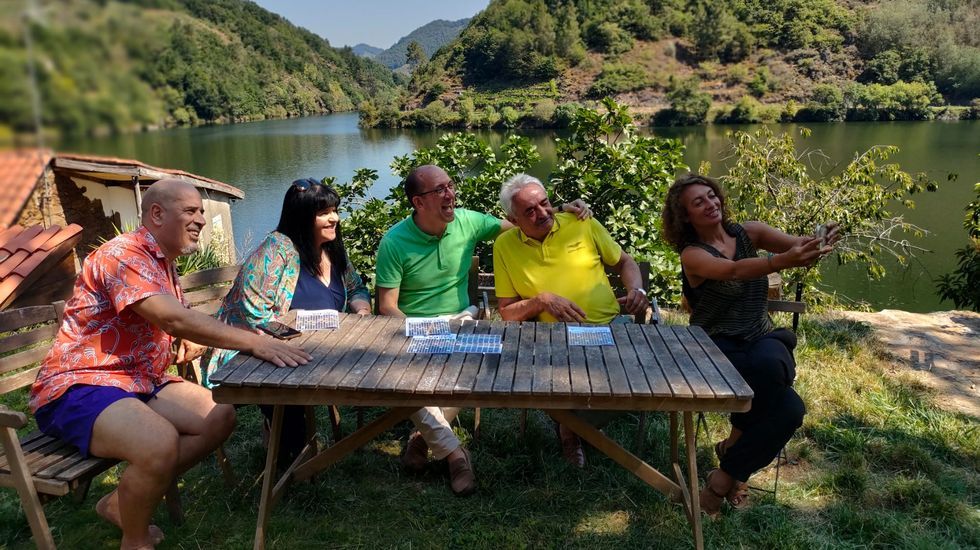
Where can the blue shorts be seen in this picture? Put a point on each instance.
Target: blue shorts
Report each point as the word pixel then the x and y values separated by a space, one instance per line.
pixel 72 416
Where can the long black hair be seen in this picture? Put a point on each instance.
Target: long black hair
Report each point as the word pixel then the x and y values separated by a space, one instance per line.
pixel 303 200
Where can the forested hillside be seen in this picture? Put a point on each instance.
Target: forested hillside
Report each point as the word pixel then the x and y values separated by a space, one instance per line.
pixel 105 66
pixel 430 36
pixel 691 61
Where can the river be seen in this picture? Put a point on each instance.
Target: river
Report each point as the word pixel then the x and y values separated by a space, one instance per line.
pixel 261 158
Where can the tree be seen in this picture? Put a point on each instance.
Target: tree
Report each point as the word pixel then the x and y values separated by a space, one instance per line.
pixel 962 286
pixel 769 180
pixel 415 55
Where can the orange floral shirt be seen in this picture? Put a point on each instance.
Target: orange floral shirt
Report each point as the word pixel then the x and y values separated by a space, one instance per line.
pixel 102 342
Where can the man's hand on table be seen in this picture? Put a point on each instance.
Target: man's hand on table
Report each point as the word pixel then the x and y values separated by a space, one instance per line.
pixel 561 308
pixel 280 353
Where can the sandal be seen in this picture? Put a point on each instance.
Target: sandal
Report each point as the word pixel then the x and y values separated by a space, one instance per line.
pixel 712 510
pixel 738 497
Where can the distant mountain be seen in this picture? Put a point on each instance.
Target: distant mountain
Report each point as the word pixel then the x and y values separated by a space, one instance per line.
pixel 107 66
pixel 366 50
pixel 430 36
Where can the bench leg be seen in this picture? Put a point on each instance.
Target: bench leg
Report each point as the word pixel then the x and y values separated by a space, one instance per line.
pixel 25 488
pixel 338 434
pixel 227 471
pixel 172 499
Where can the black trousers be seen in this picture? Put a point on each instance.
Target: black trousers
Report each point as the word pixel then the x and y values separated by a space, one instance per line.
pixel 293 432
pixel 768 366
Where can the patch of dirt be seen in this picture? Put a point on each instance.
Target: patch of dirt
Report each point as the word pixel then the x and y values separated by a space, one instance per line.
pixel 942 350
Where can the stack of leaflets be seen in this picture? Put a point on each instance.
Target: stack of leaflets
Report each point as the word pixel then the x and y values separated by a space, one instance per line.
pixel 317 319
pixel 435 336
pixel 590 336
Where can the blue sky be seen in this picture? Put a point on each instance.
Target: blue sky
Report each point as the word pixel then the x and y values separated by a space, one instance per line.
pixel 379 23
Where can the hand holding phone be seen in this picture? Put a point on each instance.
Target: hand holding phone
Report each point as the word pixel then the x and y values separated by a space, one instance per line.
pixel 821 233
pixel 279 330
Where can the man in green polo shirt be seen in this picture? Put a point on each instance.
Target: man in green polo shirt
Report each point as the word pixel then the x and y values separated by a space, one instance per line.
pixel 423 271
pixel 552 269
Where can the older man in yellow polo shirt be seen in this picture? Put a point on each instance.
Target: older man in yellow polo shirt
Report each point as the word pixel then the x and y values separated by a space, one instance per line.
pixel 550 268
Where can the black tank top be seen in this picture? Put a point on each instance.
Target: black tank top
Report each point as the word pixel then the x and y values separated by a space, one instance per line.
pixel 730 308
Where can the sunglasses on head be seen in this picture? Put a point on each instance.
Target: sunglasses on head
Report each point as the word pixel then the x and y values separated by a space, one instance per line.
pixel 306 183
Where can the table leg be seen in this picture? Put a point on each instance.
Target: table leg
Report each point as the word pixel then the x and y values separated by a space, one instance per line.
pixel 673 438
pixel 268 479
pixel 352 442
pixel 692 472
pixel 648 474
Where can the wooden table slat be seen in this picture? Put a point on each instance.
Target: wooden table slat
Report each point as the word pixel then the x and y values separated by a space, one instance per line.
pixel 467 364
pixel 635 376
pixel 391 334
pixel 514 337
pixel 524 366
pixel 382 372
pixel 598 377
pixel 319 346
pixel 561 383
pixel 672 372
pixel 691 372
pixel 449 368
pixel 361 353
pixel 650 367
pixel 619 383
pixel 491 363
pixel 724 366
pixel 268 373
pixel 542 371
pixel 577 367
pixel 707 367
pixel 351 328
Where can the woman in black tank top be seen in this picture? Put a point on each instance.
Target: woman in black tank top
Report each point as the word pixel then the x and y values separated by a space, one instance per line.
pixel 725 282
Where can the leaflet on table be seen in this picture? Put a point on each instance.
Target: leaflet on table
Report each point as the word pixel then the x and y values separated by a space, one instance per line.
pixel 590 336
pixel 452 343
pixel 424 326
pixel 317 319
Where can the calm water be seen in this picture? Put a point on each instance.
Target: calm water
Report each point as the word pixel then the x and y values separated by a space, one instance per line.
pixel 263 157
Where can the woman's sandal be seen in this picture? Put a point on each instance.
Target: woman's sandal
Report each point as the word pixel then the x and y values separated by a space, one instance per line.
pixel 738 497
pixel 715 510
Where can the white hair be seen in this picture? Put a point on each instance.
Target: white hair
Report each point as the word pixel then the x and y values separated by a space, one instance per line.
pixel 513 186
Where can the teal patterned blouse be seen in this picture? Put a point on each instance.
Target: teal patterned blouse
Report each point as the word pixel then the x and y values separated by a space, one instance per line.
pixel 263 291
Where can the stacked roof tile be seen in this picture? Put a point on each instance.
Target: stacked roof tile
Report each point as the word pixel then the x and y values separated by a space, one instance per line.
pixel 27 254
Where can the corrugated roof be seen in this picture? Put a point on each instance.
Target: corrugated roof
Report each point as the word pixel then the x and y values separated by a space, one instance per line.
pixel 129 168
pixel 20 171
pixel 24 250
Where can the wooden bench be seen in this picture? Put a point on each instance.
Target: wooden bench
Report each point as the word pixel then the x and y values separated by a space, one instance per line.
pixel 38 466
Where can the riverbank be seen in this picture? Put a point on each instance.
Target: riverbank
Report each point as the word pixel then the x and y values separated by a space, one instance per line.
pixel 876 464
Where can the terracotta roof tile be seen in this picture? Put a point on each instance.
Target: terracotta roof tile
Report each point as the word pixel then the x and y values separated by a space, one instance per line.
pixel 20 170
pixel 23 251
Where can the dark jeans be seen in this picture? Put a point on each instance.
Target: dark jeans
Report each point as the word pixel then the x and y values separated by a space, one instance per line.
pixel 768 366
pixel 293 432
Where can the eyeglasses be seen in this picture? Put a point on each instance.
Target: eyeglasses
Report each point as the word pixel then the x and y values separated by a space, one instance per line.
pixel 306 183
pixel 442 189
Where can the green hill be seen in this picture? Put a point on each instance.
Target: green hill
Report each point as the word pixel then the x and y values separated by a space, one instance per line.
pixel 109 66
pixel 691 61
pixel 430 36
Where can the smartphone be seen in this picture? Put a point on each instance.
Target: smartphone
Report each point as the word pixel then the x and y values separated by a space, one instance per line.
pixel 279 330
pixel 821 233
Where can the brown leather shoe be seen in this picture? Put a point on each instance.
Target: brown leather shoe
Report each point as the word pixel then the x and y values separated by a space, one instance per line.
pixel 462 480
pixel 571 447
pixel 416 454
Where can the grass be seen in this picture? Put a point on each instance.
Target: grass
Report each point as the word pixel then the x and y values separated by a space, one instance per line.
pixel 875 465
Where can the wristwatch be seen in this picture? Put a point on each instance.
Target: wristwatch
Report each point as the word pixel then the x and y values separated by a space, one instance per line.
pixel 641 291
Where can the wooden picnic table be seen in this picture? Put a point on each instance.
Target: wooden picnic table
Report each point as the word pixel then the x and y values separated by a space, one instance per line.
pixel 364 362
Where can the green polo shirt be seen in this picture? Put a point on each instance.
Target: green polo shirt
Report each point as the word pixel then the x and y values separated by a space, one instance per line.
pixel 432 273
pixel 569 263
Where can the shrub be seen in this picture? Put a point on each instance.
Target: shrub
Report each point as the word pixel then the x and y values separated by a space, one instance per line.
pixel 688 105
pixel 543 112
pixel 962 286
pixel 761 83
pixel 825 105
pixel 608 37
pixel 746 111
pixel 898 101
pixel 619 77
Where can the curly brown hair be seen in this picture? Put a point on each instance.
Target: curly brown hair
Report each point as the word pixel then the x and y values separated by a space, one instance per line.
pixel 678 232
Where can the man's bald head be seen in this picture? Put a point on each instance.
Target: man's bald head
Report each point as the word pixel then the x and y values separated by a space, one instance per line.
pixel 164 193
pixel 417 178
pixel 173 212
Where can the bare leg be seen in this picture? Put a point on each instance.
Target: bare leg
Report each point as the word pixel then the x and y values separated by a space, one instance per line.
pixel 202 425
pixel 108 509
pixel 131 431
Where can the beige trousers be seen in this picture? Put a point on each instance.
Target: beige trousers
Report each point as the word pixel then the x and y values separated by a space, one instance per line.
pixel 433 423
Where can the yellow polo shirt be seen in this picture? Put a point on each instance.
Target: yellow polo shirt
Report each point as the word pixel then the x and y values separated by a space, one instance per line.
pixel 568 263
